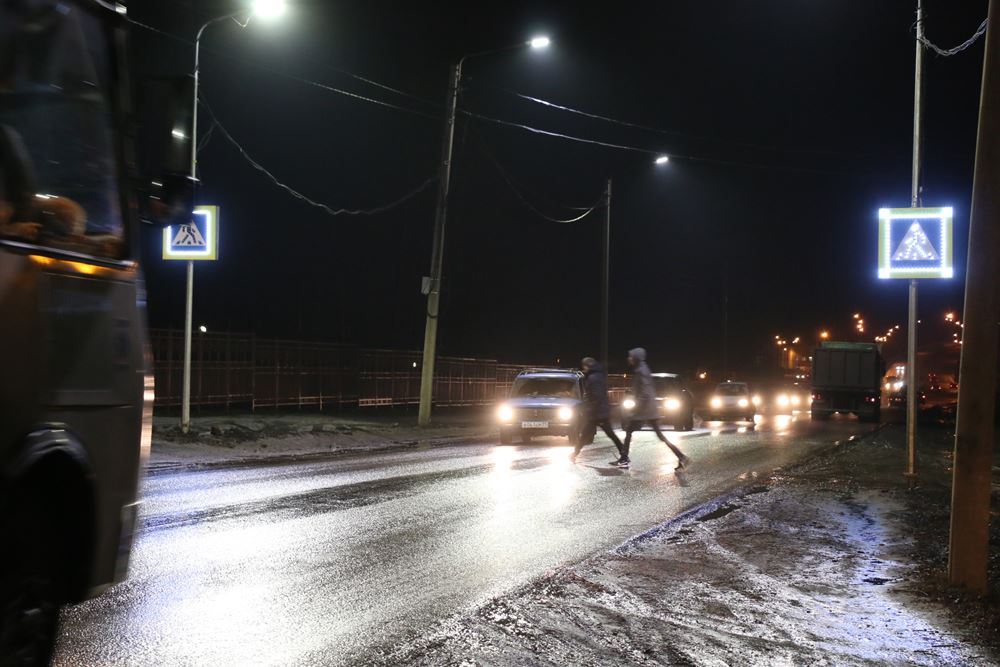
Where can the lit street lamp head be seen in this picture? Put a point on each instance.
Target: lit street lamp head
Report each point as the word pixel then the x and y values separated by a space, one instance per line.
pixel 268 9
pixel 662 159
pixel 540 42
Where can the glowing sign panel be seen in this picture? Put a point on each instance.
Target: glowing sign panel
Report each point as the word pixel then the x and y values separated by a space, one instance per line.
pixel 197 240
pixel 915 243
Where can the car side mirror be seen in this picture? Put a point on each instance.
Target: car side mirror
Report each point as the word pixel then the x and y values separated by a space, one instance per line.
pixel 165 139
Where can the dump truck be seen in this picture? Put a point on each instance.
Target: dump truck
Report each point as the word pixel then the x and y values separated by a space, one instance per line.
pixel 846 378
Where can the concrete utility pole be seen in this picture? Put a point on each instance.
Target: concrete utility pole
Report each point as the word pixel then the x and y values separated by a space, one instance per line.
pixel 912 384
pixel 605 277
pixel 970 493
pixel 437 252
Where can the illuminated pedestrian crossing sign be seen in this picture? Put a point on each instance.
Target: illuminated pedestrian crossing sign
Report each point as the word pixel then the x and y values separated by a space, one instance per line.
pixel 198 239
pixel 915 243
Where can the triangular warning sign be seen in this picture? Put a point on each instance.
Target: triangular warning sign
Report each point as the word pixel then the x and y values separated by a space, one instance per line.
pixel 189 235
pixel 915 246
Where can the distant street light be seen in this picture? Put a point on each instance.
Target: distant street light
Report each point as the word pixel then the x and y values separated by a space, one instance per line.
pixel 824 335
pixel 265 9
pixel 433 289
pixel 203 329
pixel 662 159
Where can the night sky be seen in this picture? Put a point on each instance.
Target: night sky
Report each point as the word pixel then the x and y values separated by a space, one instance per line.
pixel 788 125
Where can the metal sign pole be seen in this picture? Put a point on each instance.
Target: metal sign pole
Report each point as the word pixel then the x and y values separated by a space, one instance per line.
pixel 186 386
pixel 911 338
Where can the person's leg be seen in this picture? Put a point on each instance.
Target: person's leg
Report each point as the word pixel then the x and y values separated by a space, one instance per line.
pixel 629 430
pixel 586 436
pixel 659 434
pixel 610 432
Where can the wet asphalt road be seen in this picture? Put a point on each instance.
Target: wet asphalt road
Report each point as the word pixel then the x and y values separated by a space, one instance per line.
pixel 334 562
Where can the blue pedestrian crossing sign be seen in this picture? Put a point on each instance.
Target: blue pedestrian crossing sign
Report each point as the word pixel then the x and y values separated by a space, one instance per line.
pixel 199 239
pixel 915 243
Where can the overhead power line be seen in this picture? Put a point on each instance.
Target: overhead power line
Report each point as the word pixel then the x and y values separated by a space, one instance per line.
pixel 659 130
pixel 308 82
pixel 524 200
pixel 980 31
pixel 298 195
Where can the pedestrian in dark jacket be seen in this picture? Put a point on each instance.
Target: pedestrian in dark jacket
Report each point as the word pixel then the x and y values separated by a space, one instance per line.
pixel 596 408
pixel 646 412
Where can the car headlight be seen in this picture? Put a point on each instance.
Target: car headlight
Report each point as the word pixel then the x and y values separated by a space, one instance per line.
pixel 716 402
pixel 628 404
pixel 756 400
pixel 565 414
pixel 783 401
pixel 796 400
pixel 744 403
pixel 673 404
pixel 505 413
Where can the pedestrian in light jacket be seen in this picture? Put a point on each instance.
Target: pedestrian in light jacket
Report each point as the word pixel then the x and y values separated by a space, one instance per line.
pixel 646 411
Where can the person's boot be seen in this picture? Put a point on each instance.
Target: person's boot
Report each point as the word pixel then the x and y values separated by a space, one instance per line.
pixel 683 462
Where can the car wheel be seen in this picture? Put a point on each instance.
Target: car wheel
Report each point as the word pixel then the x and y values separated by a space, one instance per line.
pixel 505 437
pixel 525 438
pixel 688 423
pixel 820 416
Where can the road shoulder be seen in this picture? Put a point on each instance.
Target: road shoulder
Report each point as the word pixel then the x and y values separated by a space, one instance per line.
pixel 834 562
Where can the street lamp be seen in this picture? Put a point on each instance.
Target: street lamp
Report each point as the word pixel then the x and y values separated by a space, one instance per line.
pixel 433 285
pixel 265 9
pixel 824 335
pixel 661 159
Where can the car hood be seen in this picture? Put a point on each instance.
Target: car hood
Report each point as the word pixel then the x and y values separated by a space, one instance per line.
pixel 542 402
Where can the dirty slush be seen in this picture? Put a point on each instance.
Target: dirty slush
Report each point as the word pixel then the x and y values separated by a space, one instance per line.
pixel 833 562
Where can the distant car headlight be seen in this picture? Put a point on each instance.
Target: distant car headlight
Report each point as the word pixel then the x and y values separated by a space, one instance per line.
pixel 795 400
pixel 628 404
pixel 716 402
pixel 505 413
pixel 744 403
pixel 756 400
pixel 897 386
pixel 565 414
pixel 673 404
pixel 783 401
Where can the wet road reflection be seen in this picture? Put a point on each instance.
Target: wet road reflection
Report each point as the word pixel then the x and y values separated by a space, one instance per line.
pixel 324 563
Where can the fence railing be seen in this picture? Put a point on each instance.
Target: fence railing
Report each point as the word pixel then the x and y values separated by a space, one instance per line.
pixel 230 369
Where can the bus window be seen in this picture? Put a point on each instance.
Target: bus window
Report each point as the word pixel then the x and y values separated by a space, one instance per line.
pixel 57 160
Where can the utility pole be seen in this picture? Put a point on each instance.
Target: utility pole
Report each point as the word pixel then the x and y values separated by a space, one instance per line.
pixel 605 276
pixel 437 252
pixel 911 332
pixel 725 328
pixel 974 432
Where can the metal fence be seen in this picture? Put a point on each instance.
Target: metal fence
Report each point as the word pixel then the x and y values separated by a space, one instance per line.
pixel 229 369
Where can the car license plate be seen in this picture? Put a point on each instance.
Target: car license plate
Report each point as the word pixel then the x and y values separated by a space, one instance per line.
pixel 534 424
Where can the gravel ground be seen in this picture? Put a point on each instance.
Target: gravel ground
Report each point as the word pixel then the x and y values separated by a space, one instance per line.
pixel 228 440
pixel 836 562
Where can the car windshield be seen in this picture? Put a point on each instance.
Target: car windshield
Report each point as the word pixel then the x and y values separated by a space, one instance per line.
pixel 731 390
pixel 541 386
pixel 666 385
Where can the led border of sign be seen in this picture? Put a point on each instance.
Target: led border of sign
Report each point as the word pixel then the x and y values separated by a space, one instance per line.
pixel 886 215
pixel 210 251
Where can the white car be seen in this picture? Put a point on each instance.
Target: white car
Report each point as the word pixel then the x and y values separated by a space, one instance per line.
pixel 731 401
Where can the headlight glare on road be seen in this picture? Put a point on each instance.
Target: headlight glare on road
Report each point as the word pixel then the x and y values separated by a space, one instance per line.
pixel 744 403
pixel 783 401
pixel 673 404
pixel 565 414
pixel 628 404
pixel 716 402
pixel 505 413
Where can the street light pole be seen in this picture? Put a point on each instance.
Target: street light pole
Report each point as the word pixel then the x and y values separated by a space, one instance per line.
pixel 265 8
pixel 911 334
pixel 437 251
pixel 433 286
